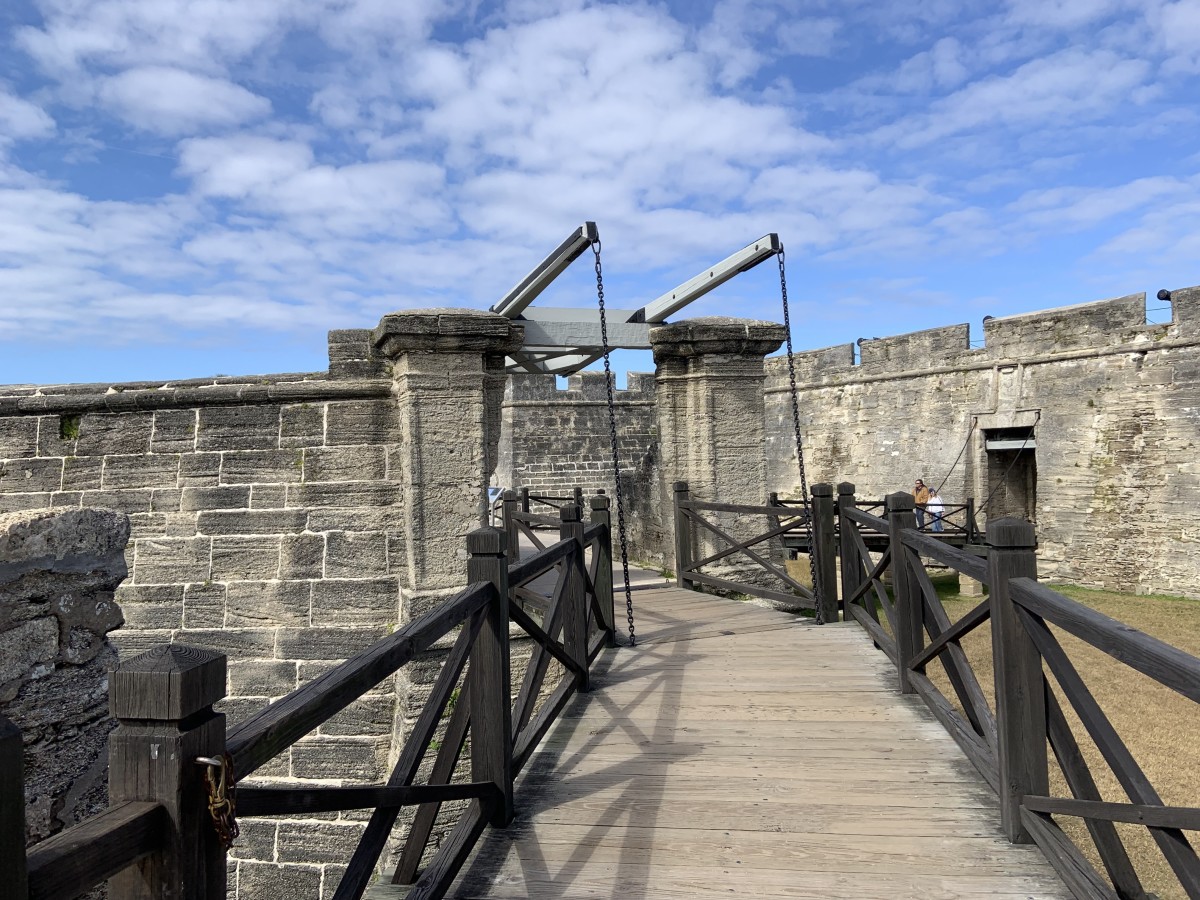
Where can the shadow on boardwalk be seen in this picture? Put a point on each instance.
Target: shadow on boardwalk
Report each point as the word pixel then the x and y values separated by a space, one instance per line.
pixel 740 750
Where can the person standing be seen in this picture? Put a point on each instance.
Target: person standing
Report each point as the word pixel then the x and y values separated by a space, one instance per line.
pixel 921 500
pixel 935 508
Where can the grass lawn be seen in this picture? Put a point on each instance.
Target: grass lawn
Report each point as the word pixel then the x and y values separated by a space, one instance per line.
pixel 1161 728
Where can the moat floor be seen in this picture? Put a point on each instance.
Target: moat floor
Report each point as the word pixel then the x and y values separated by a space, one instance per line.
pixel 742 751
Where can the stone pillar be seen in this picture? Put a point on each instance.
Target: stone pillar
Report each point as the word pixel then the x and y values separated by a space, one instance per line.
pixel 444 365
pixel 709 395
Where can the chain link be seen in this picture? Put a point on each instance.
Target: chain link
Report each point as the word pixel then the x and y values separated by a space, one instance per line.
pixel 222 806
pixel 813 568
pixel 612 430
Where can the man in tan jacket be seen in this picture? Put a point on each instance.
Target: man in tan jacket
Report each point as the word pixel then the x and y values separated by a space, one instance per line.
pixel 920 498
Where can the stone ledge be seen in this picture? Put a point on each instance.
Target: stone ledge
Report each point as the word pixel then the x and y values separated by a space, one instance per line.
pixel 446 330
pixel 716 335
pixel 172 397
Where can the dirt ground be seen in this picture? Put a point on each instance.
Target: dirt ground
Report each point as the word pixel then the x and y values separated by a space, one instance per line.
pixel 1160 727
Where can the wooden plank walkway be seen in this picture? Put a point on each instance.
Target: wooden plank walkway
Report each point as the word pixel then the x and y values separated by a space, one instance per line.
pixel 743 751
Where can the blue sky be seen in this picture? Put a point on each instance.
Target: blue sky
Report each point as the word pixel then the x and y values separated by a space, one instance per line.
pixel 192 187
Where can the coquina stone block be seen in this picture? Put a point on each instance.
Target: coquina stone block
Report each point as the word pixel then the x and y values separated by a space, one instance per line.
pixel 58 573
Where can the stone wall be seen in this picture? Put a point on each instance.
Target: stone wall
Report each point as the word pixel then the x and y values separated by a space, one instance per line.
pixel 265 523
pixel 1115 407
pixel 552 440
pixel 58 571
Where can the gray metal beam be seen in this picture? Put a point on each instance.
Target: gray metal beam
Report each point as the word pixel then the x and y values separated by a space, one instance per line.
pixel 714 276
pixel 528 288
pixel 579 314
pixel 584 335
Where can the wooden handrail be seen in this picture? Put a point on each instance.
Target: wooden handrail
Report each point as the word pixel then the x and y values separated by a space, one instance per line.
pixel 1167 665
pixel 865 518
pixel 744 508
pixel 261 737
pixel 966 563
pixel 74 861
pixel 540 563
pixel 534 519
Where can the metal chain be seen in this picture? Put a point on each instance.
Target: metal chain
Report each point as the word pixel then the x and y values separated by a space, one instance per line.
pixel 814 569
pixel 612 430
pixel 222 806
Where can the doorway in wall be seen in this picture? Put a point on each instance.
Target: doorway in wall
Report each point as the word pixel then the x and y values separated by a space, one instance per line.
pixel 1011 472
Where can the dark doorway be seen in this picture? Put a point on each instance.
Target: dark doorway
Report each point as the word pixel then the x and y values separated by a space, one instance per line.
pixel 1011 473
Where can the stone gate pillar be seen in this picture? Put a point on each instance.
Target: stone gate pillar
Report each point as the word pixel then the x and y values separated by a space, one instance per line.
pixel 709 397
pixel 445 369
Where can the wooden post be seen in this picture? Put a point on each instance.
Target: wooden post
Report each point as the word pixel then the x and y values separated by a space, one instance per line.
pixel 524 499
pixel 821 543
pixel 847 550
pixel 508 507
pixel 14 879
pixel 683 536
pixel 604 572
pixel 1020 692
pixel 575 595
pixel 578 495
pixel 909 619
pixel 972 525
pixel 489 674
pixel 162 700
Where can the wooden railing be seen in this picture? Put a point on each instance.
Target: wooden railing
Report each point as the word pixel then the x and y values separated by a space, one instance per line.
pixel 1032 671
pixel 545 516
pixel 516 516
pixel 817 531
pixel 753 550
pixel 157 839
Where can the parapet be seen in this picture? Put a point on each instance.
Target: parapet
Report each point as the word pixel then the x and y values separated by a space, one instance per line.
pixel 1105 325
pixel 352 354
pixel 1084 326
pixel 917 350
pixel 583 387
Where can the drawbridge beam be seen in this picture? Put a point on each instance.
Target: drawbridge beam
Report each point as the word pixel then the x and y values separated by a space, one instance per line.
pixel 563 340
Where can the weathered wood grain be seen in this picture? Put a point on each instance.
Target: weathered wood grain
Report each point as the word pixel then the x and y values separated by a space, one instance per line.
pixel 669 781
pixel 76 860
pixel 263 736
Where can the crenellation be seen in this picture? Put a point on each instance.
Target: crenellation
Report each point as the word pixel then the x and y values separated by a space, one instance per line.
pixel 927 349
pixel 1087 326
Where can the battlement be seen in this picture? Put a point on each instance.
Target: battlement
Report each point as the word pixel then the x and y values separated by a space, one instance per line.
pixel 583 387
pixel 1104 325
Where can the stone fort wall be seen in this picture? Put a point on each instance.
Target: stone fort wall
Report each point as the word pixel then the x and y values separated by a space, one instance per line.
pixel 1115 406
pixel 265 523
pixel 552 440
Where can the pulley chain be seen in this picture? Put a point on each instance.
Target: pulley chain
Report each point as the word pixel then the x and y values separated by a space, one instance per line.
pixel 612 429
pixel 813 568
pixel 222 807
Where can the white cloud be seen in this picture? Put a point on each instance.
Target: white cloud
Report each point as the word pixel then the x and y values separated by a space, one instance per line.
pixel 1061 14
pixel 22 120
pixel 1179 31
pixel 196 34
pixel 337 158
pixel 174 102
pixel 1067 88
pixel 810 36
pixel 1080 208
pixel 242 164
